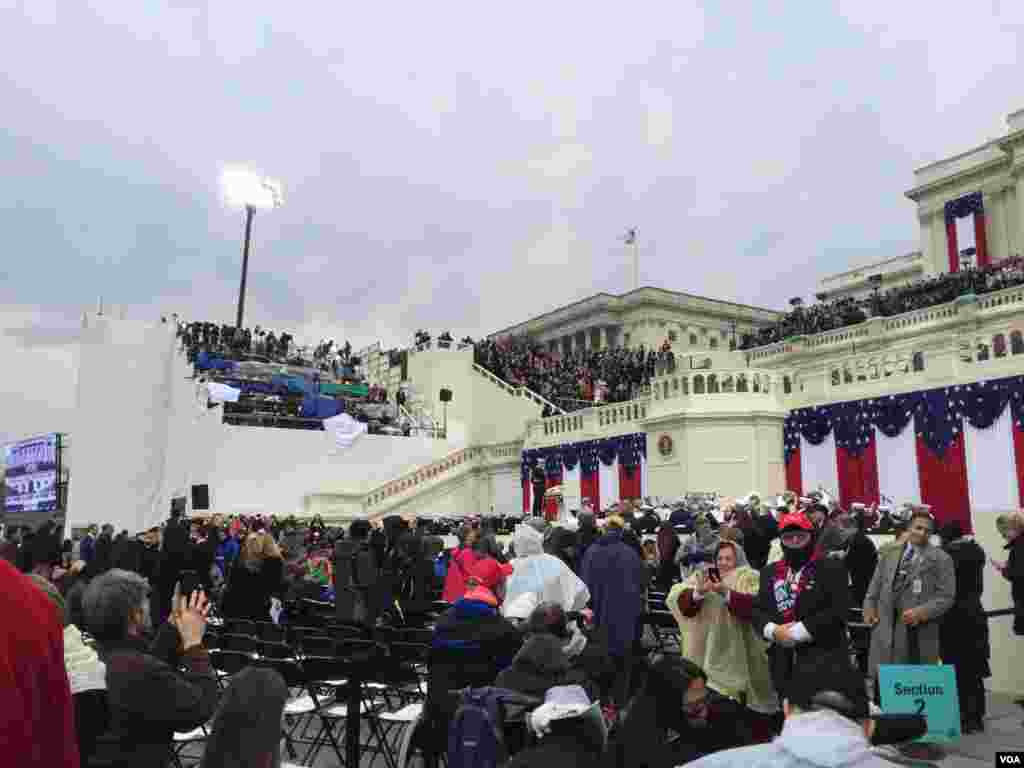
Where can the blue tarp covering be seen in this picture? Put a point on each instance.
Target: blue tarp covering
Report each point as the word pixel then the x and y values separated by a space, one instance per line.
pixel 204 363
pixel 321 407
pixel 294 384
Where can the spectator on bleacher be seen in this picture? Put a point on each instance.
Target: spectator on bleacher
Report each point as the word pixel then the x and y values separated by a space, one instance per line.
pixel 963 636
pixel 802 604
pixel 614 575
pixel 256 578
pixel 246 729
pixel 460 564
pixel 714 612
pixel 148 698
pixel 37 725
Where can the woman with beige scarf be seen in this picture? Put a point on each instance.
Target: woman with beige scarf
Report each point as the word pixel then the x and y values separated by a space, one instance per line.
pixel 713 609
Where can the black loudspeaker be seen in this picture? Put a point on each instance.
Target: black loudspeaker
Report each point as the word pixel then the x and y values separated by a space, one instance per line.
pixel 446 395
pixel 200 497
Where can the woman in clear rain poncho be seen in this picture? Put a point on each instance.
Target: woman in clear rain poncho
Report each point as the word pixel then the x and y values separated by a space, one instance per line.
pixel 540 578
pixel 716 633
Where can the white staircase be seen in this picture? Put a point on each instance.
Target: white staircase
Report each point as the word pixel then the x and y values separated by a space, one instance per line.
pixel 515 391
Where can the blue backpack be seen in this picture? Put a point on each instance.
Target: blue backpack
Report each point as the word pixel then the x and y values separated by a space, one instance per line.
pixel 441 564
pixel 475 735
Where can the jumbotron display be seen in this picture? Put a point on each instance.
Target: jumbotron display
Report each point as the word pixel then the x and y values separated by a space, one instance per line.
pixel 30 477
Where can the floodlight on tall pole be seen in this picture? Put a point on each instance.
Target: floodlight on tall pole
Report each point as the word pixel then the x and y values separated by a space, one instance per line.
pixel 243 188
pixel 630 239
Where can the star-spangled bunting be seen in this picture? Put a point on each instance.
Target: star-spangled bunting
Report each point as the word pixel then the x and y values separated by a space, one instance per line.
pixel 628 449
pixel 937 416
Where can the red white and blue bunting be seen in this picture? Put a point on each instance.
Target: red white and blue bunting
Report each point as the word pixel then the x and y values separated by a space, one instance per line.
pixel 958 436
pixel 601 472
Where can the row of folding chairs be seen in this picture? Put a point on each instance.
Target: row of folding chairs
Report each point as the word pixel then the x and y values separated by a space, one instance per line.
pixel 391 695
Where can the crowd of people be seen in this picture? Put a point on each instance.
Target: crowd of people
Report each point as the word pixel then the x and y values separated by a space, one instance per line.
pixel 114 631
pixel 579 379
pixel 840 313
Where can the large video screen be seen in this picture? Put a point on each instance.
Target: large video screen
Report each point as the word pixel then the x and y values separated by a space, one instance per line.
pixel 30 475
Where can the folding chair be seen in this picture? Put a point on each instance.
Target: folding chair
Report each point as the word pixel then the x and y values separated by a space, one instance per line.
pixel 268 631
pixel 240 627
pixel 275 650
pixel 182 741
pixel 241 643
pixel 326 680
pixel 298 635
pixel 303 706
pixel 228 663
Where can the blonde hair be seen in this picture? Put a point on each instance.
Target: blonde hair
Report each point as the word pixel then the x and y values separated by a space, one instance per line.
pixel 258 547
pixel 616 521
pixel 1014 521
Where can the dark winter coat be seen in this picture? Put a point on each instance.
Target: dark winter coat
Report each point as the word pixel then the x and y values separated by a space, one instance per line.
pixel 1015 574
pixel 963 636
pixel 541 664
pixel 249 592
pixel 615 576
pixel 861 561
pixel 149 699
pixel 822 606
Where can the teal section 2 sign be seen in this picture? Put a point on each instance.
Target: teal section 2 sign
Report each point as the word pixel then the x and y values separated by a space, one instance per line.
pixel 923 689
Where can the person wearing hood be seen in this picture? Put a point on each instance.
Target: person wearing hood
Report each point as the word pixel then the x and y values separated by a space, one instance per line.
pixel 827 724
pixel 714 611
pixel 963 636
pixel 569 730
pixel 668 546
pixel 802 603
pixel 460 563
pixel 585 536
pixel 541 664
pixel 544 575
pixel 614 574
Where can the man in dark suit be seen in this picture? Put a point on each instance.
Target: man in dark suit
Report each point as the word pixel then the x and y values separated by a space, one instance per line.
pixel 802 604
pixel 539 481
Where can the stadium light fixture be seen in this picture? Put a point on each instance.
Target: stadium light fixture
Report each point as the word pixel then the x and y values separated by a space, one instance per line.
pixel 244 188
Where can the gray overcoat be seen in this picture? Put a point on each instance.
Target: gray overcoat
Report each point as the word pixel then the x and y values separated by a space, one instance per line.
pixel 931 585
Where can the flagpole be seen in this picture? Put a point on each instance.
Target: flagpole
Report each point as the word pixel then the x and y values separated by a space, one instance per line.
pixel 636 264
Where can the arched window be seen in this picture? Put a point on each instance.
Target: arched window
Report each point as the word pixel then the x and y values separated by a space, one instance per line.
pixel 999 345
pixel 835 377
pixel 1016 342
pixel 767 384
pixel 712 384
pixel 787 385
pixel 685 384
pixel 698 385
pixel 917 361
pixel 713 342
pixel 693 339
pixel 741 383
pixel 874 369
pixel 983 352
pixel 728 383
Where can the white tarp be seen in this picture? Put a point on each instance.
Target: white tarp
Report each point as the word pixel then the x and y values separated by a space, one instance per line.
pixel 345 429
pixel 222 393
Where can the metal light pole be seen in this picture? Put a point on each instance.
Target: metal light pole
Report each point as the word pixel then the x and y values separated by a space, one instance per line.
pixel 249 211
pixel 243 188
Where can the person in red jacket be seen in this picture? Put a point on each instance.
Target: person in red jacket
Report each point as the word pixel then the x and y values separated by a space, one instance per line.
pixel 37 725
pixel 460 564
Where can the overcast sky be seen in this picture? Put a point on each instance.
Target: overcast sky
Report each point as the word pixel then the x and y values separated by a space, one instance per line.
pixel 467 166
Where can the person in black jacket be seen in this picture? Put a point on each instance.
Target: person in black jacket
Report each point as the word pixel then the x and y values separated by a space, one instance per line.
pixel 148 698
pixel 803 602
pixel 103 559
pixel 1011 527
pixel 539 482
pixel 255 580
pixel 963 636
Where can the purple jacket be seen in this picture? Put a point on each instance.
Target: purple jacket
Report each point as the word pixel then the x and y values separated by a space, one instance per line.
pixel 615 576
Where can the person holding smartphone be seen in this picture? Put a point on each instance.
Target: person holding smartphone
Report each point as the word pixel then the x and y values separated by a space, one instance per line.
pixel 714 608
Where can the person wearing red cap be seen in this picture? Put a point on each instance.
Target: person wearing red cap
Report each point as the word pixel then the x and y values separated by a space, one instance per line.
pixel 802 604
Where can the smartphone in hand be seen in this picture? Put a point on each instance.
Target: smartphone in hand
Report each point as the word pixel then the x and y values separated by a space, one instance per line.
pixel 714 574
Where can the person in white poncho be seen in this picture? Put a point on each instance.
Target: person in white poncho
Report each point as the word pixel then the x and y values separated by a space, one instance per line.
pixel 540 578
pixel 714 617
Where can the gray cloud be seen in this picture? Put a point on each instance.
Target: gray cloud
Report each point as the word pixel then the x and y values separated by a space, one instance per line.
pixel 469 168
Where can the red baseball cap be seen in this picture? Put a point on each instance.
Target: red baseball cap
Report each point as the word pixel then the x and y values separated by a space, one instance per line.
pixel 795 522
pixel 489 572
